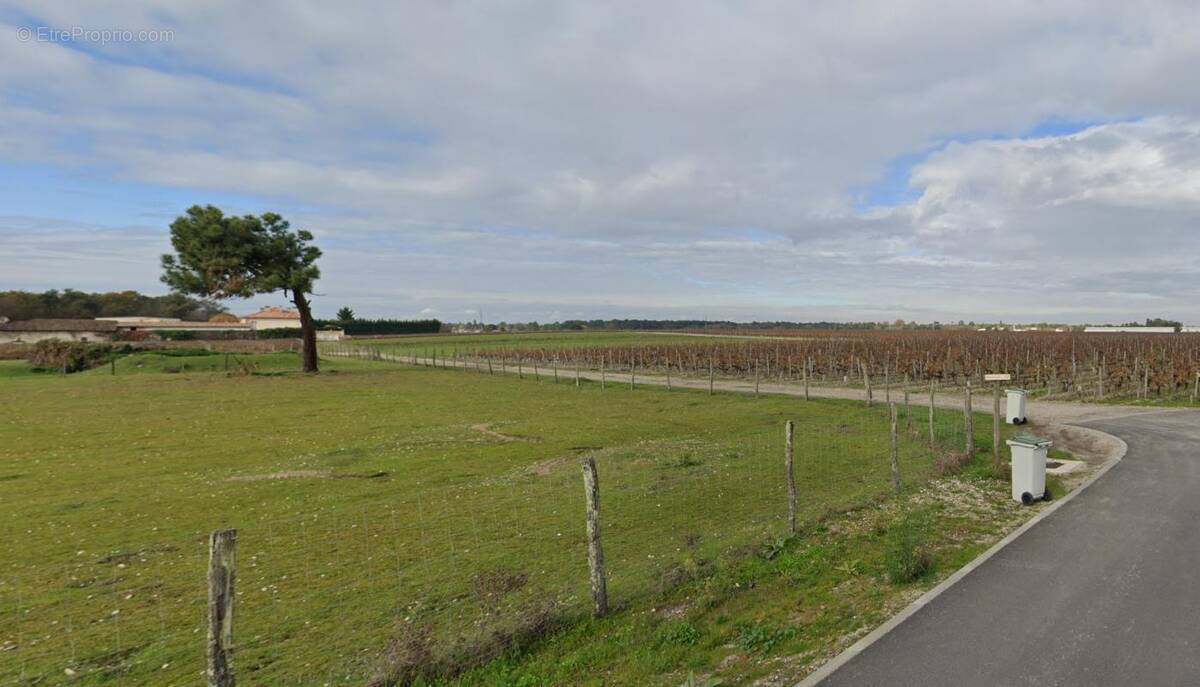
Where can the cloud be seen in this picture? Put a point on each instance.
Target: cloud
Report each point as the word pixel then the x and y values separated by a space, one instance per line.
pixel 676 158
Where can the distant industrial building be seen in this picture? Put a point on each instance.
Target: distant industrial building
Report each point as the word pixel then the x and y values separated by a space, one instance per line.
pixel 137 326
pixel 33 331
pixel 1134 330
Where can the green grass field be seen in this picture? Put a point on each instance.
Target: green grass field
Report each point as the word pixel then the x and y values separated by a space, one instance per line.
pixel 378 502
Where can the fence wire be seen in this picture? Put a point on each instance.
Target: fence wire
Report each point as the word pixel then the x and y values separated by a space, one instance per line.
pixel 334 596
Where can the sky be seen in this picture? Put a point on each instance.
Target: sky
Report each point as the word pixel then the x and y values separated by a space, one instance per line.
pixel 826 160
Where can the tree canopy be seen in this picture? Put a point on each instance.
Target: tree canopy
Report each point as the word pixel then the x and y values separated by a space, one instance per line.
pixel 72 304
pixel 223 256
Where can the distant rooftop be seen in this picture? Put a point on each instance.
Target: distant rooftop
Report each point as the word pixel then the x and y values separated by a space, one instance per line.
pixel 166 326
pixel 129 319
pixel 47 325
pixel 274 313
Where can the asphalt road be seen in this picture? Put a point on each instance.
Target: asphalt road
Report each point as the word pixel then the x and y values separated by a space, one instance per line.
pixel 1104 591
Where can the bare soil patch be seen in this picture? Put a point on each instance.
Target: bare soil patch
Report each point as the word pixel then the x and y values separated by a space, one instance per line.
pixel 486 428
pixel 303 474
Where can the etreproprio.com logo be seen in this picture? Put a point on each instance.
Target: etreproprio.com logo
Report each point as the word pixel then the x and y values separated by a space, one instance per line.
pixel 80 34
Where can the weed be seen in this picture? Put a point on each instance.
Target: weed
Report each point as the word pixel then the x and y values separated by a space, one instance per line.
pixel 762 638
pixel 850 567
pixel 771 549
pixel 693 681
pixel 680 573
pixel 950 462
pixel 494 584
pixel 685 460
pixel 683 634
pixel 414 657
pixel 907 556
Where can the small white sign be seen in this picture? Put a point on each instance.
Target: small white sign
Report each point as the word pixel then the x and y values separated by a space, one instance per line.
pixel 997 378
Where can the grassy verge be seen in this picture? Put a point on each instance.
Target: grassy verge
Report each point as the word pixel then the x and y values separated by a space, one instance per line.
pixel 765 615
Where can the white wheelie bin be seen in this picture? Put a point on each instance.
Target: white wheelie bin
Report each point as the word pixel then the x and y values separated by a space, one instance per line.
pixel 1016 406
pixel 1028 467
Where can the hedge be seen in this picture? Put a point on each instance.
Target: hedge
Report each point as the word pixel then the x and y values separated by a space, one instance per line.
pixel 279 333
pixel 377 327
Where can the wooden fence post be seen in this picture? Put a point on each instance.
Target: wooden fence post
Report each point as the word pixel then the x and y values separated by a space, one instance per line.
pixel 887 385
pixel 591 489
pixel 932 436
pixel 895 451
pixel 867 381
pixel 632 372
pixel 668 374
pixel 969 423
pixel 221 560
pixel 996 426
pixel 710 375
pixel 556 369
pixel 756 378
pixel 789 432
pixel 603 372
pixel 806 379
pixel 576 371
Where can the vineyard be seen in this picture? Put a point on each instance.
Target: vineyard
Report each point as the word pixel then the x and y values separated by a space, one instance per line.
pixel 1065 366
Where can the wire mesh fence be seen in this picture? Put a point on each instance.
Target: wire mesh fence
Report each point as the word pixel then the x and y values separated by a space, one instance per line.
pixel 443 576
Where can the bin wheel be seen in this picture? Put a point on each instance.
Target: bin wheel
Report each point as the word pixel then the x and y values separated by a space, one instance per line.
pixel 1046 494
pixel 1027 498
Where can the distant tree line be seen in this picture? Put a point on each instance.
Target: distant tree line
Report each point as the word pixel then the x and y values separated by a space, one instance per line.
pixel 1156 322
pixel 675 325
pixel 72 304
pixel 361 327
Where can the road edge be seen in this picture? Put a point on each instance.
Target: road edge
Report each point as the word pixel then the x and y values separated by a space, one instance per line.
pixel 832 665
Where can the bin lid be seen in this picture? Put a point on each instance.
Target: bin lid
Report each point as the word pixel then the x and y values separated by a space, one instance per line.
pixel 1015 391
pixel 1029 440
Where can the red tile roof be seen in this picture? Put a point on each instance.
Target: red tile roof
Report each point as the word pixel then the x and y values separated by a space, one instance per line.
pixel 274 313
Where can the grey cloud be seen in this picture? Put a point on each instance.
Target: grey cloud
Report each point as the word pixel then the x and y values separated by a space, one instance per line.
pixel 650 159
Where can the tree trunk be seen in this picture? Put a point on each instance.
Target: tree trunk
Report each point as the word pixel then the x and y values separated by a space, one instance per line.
pixel 308 332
